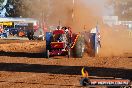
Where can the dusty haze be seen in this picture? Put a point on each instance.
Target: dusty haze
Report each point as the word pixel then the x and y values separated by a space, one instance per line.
pixel 86 12
pixel 115 41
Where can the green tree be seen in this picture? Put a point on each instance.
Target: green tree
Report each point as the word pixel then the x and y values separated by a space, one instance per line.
pixel 1 1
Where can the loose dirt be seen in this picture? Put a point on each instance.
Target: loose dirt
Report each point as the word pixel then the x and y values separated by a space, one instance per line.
pixel 23 65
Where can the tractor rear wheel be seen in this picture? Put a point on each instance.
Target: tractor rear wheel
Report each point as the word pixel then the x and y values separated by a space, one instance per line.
pixel 79 47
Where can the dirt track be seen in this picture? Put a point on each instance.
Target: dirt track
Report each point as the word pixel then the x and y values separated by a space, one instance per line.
pixel 22 65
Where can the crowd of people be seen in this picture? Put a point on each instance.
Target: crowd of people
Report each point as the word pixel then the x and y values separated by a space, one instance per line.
pixel 4 33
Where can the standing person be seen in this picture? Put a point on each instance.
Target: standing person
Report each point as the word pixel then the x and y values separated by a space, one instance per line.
pixel 30 34
pixel 131 33
pixel 130 30
pixel 58 28
pixel 5 33
pixel 1 30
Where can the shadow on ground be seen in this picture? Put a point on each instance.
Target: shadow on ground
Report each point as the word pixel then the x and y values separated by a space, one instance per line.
pixel 41 54
pixel 66 70
pixel 23 54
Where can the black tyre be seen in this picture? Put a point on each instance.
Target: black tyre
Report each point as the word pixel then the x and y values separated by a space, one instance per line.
pixel 79 47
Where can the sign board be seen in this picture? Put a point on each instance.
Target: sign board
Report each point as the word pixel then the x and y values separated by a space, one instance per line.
pixel 110 20
pixel 6 23
pixel 21 24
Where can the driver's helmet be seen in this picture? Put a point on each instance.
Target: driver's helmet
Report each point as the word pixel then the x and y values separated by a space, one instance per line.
pixel 58 27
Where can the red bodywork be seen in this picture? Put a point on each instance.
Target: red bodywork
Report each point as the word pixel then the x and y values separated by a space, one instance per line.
pixel 57 52
pixel 57 45
pixel 59 48
pixel 58 32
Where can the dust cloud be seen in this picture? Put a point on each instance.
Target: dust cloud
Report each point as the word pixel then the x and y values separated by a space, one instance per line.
pixel 82 15
pixel 115 41
pixel 55 12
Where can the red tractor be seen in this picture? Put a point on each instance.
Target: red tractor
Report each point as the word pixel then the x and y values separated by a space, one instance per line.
pixel 63 42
